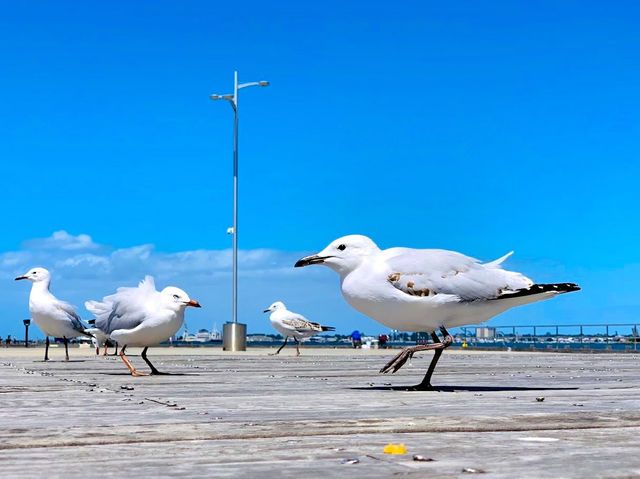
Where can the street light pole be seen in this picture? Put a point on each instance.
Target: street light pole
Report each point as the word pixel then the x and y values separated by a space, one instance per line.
pixel 26 322
pixel 235 198
pixel 234 333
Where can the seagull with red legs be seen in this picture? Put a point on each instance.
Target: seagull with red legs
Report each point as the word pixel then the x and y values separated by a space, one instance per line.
pixel 141 317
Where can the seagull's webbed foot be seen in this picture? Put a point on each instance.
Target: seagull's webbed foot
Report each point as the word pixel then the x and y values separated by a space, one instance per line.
pixel 422 387
pixel 439 345
pixel 132 370
pixel 280 348
pixel 154 371
pixel 408 352
pixel 399 360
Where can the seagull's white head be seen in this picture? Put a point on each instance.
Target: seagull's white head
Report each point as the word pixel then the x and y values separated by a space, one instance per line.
pixel 36 275
pixel 342 255
pixel 275 306
pixel 176 299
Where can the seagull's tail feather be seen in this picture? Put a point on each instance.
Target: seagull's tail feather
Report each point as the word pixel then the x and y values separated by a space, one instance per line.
pixel 328 328
pixel 95 307
pixel 497 262
pixel 536 289
pixel 102 311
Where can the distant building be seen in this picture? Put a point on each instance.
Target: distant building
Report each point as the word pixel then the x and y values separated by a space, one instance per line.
pixel 485 333
pixel 202 336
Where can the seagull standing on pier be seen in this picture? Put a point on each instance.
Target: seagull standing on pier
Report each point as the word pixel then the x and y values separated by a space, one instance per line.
pixel 425 290
pixel 292 324
pixel 142 317
pixel 100 338
pixel 54 317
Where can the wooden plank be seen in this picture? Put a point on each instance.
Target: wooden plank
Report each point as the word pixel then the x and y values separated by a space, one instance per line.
pixel 230 414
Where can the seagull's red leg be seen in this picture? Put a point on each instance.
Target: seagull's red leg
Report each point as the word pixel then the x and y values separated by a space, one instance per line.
pixel 133 370
pixel 105 349
pixel 297 344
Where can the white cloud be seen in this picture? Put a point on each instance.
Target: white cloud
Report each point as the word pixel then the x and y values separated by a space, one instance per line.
pixel 61 240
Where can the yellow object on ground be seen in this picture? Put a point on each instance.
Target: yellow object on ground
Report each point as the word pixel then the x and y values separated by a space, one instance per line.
pixel 464 345
pixel 394 449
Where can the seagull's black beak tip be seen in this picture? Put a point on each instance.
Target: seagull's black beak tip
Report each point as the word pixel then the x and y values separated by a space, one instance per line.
pixel 20 277
pixel 307 260
pixel 266 310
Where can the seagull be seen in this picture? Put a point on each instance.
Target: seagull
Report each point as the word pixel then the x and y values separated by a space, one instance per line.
pixel 54 317
pixel 424 290
pixel 292 324
pixel 141 316
pixel 100 338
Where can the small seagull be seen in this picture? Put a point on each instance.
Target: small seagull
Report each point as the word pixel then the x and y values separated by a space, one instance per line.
pixel 100 338
pixel 293 324
pixel 424 290
pixel 54 317
pixel 141 316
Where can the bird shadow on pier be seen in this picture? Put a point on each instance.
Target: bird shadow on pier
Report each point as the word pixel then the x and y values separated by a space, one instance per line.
pixel 125 373
pixel 62 361
pixel 450 389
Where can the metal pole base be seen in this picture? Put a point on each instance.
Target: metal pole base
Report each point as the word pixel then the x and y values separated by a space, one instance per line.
pixel 234 337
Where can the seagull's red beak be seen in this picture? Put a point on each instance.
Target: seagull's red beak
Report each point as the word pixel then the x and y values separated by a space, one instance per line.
pixel 193 303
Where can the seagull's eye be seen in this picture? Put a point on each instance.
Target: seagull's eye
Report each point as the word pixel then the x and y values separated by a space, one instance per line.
pixel 35 272
pixel 342 247
pixel 175 296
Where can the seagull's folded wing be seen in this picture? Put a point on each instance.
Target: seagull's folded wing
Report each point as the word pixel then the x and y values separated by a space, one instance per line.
pixel 430 272
pixel 125 309
pixel 301 324
pixel 69 312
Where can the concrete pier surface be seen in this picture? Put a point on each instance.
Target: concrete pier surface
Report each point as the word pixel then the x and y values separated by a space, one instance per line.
pixel 509 414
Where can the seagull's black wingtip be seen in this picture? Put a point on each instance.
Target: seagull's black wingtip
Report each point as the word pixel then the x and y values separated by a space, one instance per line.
pixel 539 289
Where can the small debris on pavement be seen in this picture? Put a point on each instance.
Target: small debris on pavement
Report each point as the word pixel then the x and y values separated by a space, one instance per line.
pixel 419 458
pixel 471 470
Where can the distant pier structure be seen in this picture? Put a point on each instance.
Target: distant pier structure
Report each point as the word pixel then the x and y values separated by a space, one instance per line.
pixel 202 336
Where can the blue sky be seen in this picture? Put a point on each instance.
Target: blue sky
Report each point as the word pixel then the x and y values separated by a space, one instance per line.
pixel 478 127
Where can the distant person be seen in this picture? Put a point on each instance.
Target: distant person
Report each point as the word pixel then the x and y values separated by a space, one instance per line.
pixel 356 339
pixel 382 340
pixel 7 341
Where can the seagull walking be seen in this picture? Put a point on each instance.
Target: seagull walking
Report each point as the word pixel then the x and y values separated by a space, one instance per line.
pixel 426 290
pixel 141 316
pixel 294 325
pixel 54 317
